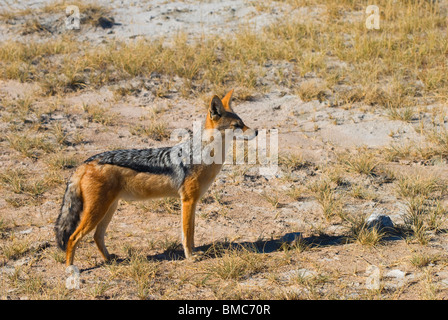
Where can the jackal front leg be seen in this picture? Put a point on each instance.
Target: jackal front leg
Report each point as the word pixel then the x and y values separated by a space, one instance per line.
pixel 188 213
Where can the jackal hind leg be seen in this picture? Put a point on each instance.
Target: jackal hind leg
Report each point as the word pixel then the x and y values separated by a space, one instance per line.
pixel 101 231
pixel 96 207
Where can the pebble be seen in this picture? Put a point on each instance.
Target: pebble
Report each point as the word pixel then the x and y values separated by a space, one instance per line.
pixel 379 221
pixel 396 273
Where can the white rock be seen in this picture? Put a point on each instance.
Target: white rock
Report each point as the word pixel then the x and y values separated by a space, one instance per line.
pixel 396 273
pixel 291 237
pixel 379 221
pixel 444 283
pixel 305 273
pixel 27 231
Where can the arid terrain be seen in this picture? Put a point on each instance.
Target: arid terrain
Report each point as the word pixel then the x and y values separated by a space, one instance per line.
pixel 361 116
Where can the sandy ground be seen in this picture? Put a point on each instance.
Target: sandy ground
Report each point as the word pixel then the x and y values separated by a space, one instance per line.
pixel 236 209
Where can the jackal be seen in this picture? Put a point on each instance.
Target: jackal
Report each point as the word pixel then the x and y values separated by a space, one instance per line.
pixel 93 191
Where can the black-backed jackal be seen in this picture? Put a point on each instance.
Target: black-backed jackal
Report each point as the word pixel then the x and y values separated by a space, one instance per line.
pixel 94 189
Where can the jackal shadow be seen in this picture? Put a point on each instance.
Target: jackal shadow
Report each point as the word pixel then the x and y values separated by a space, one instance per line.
pixel 286 242
pixel 289 241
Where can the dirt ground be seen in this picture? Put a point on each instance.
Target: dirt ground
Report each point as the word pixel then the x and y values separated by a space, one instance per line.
pixel 262 237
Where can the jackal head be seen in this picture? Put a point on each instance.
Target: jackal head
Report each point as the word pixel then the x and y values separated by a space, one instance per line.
pixel 221 117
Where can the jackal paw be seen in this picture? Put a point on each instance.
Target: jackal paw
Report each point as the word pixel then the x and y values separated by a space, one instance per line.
pixel 196 256
pixel 111 258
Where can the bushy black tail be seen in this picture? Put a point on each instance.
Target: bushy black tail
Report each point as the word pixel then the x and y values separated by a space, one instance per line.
pixel 70 214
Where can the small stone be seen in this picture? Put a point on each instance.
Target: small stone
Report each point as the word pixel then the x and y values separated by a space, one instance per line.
pixel 291 238
pixel 27 231
pixel 396 273
pixel 106 23
pixel 302 273
pixel 305 273
pixel 8 270
pixel 444 283
pixel 379 222
pixel 39 246
pixel 22 261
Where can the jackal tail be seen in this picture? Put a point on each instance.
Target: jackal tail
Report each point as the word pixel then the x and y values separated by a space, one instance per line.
pixel 72 206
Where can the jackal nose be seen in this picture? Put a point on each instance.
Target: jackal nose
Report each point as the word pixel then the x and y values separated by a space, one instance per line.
pixel 256 132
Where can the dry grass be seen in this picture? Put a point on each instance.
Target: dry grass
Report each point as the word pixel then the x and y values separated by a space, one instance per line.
pixel 155 130
pixel 311 90
pixel 411 186
pixel 235 264
pixel 332 57
pixel 15 249
pixel 328 199
pixel 425 212
pixel 29 144
pixel 291 162
pixel 363 161
pixel 101 115
pixel 362 234
pixel 272 198
pixel 408 47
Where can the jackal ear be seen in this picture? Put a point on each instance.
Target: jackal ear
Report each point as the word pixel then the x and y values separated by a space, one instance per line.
pixel 226 101
pixel 216 108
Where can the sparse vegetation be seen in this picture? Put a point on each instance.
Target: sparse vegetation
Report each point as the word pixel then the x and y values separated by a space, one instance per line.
pixel 363 162
pixel 327 198
pixel 235 264
pixel 154 130
pixel 362 234
pixel 375 59
pixel 313 71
